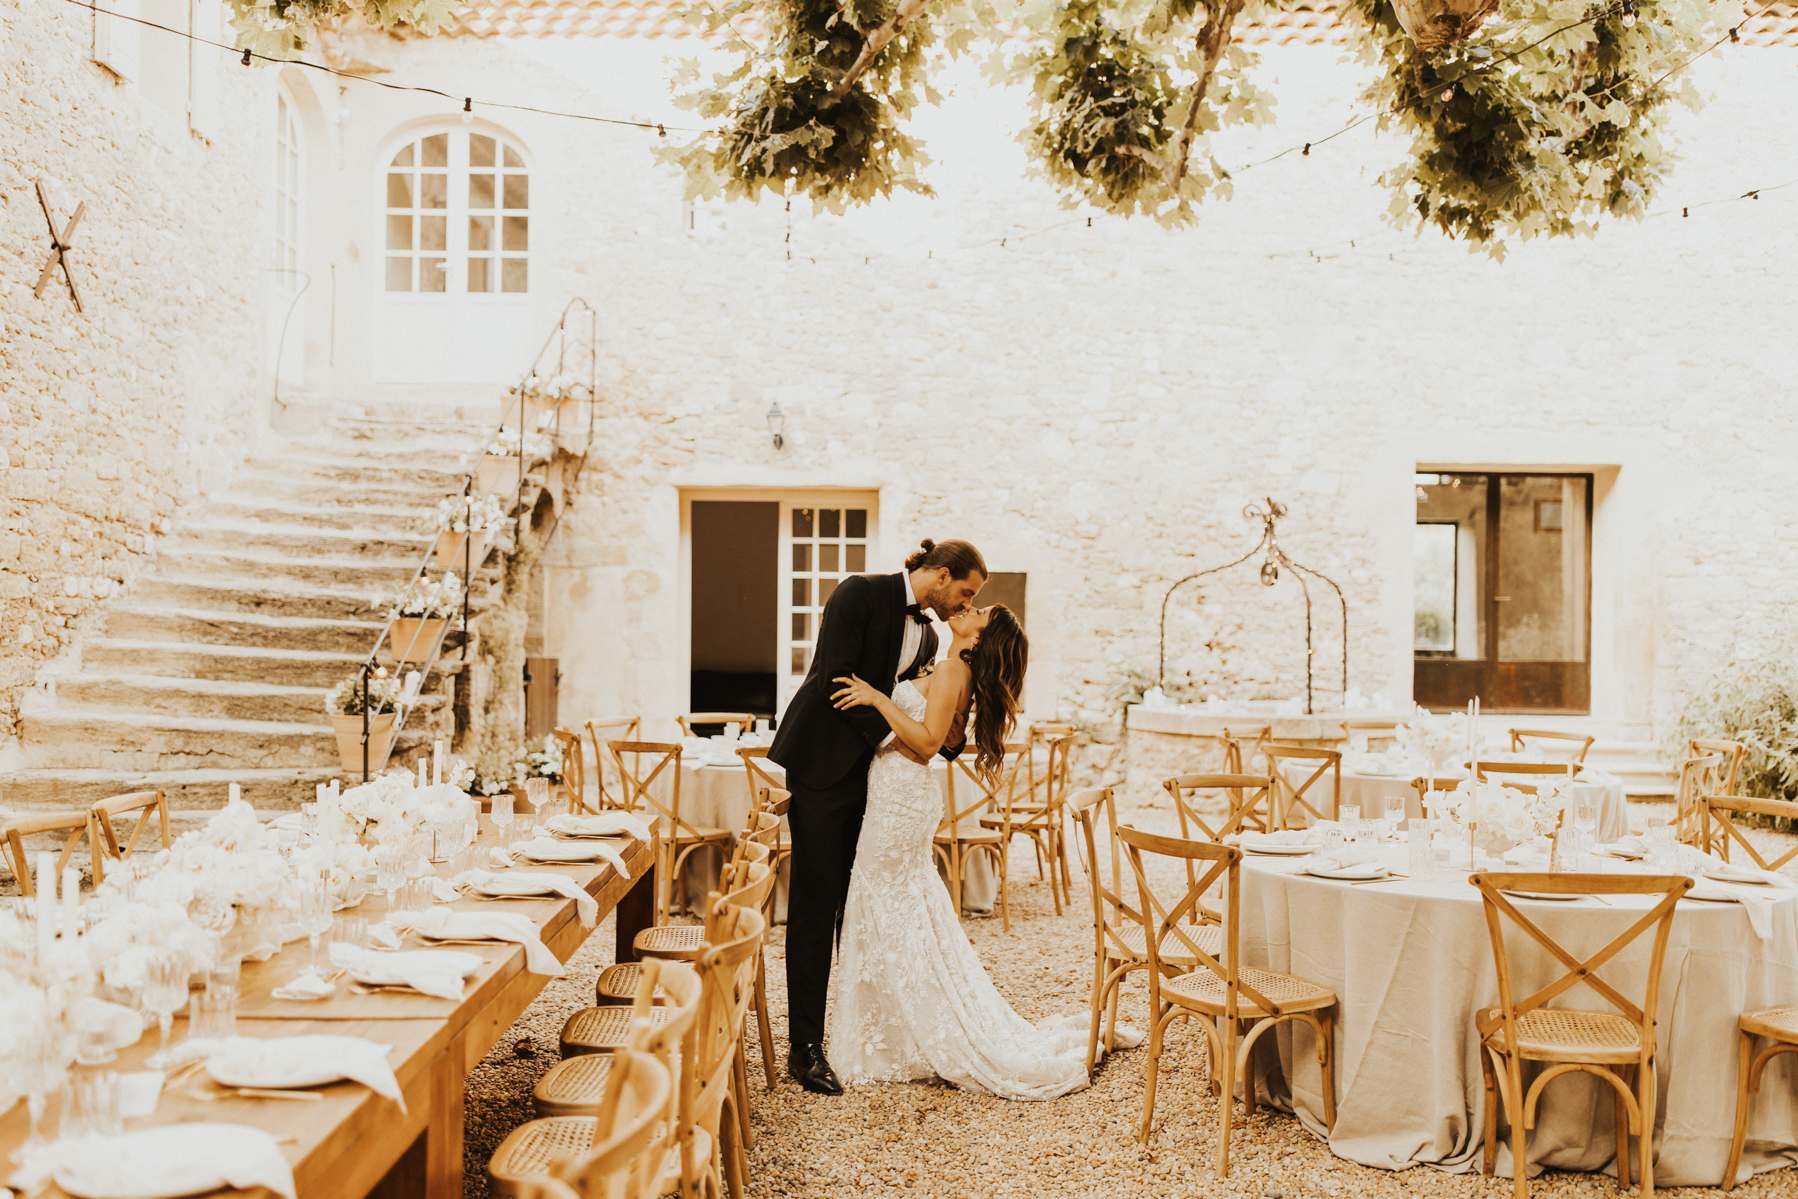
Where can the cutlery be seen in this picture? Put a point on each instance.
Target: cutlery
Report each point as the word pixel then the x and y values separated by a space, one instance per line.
pixel 253 1093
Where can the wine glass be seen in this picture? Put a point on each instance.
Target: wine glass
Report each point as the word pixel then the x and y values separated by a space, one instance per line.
pixel 390 870
pixel 537 791
pixel 165 992
pixel 502 813
pixel 315 914
pixel 1392 811
pixel 1585 819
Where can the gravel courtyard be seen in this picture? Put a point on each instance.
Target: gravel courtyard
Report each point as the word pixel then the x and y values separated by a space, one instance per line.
pixel 941 1142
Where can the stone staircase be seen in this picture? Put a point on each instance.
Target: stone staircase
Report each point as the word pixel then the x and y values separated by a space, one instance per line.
pixel 215 666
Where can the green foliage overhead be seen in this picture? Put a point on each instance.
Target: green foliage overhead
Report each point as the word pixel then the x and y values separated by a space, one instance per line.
pixel 278 28
pixel 1752 698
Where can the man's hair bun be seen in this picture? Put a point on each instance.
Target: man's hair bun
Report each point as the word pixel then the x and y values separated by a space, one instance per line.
pixel 960 557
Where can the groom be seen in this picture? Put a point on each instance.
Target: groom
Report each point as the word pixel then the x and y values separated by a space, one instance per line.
pixel 873 627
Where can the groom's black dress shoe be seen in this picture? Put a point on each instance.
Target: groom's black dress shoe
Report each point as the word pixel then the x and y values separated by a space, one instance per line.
pixel 807 1065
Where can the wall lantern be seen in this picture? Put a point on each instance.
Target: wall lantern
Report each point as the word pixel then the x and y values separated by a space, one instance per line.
pixel 777 422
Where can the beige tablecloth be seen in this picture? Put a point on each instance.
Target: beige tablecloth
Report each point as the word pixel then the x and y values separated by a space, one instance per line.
pixel 719 796
pixel 1370 790
pixel 1411 961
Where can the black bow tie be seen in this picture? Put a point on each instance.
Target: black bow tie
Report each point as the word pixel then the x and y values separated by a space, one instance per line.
pixel 917 614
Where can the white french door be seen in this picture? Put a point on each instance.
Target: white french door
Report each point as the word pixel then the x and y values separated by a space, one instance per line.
pixel 455 277
pixel 824 538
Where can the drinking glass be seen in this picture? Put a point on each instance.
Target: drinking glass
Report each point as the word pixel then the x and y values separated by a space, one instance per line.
pixel 502 813
pixel 390 870
pixel 37 1068
pixel 1441 832
pixel 1585 819
pixel 1393 812
pixel 316 902
pixel 92 1107
pixel 212 1016
pixel 93 1043
pixel 350 930
pixel 1423 854
pixel 226 978
pixel 309 820
pixel 165 989
pixel 1349 816
pixel 537 791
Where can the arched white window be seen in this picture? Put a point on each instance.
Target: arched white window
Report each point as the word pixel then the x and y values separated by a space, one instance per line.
pixel 458 215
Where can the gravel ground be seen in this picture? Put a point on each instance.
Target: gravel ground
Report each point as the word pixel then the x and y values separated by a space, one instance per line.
pixel 938 1141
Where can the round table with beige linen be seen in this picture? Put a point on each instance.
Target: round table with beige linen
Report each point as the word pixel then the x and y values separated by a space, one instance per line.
pixel 1370 790
pixel 1411 961
pixel 717 795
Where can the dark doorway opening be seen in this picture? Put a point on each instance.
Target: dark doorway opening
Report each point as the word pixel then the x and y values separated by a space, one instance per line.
pixel 736 611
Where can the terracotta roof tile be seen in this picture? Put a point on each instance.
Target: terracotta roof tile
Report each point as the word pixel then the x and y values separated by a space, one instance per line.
pixel 1309 24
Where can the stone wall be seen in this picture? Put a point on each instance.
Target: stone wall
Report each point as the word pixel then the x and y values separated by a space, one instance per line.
pixel 109 418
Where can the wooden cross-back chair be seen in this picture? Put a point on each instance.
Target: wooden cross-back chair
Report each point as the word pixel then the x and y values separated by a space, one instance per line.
pixel 961 833
pixel 1616 1045
pixel 1288 796
pixel 1368 731
pixel 76 824
pixel 144 803
pixel 743 720
pixel 1045 733
pixel 1117 927
pixel 1698 747
pixel 602 730
pixel 1574 744
pixel 1243 746
pixel 1718 830
pixel 574 770
pixel 1033 807
pixel 678 837
pixel 666 996
pixel 761 783
pixel 1249 799
pixel 1698 777
pixel 1777 1024
pixel 1526 771
pixel 1425 784
pixel 1234 1002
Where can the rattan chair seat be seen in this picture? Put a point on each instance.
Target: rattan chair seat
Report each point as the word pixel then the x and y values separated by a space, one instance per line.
pixel 573 1087
pixel 678 942
pixel 1204 990
pixel 619 984
pixel 1546 1035
pixel 1779 1023
pixel 1209 937
pixel 532 1151
pixel 599 1029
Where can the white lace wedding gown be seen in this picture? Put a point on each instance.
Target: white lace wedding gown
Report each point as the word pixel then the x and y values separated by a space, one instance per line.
pixel 912 999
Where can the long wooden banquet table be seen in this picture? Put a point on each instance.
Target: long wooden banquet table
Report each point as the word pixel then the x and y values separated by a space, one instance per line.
pixel 353 1142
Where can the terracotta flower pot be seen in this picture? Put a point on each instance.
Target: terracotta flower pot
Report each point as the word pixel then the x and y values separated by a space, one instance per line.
pixel 449 554
pixel 413 638
pixel 349 741
pixel 496 475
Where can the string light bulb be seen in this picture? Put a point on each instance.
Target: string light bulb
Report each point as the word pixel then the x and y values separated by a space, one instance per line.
pixel 1629 14
pixel 468 110
pixel 1448 93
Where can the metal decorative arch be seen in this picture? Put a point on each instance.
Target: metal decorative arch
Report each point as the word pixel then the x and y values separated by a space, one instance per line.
pixel 1273 559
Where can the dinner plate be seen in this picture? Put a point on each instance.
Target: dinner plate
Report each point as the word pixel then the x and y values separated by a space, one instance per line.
pixel 1281 850
pixel 275 1064
pixel 501 887
pixel 1725 875
pixel 1544 895
pixel 558 851
pixel 170 1161
pixel 1359 872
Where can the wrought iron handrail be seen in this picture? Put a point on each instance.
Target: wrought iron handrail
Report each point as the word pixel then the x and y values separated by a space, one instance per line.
pixel 559 338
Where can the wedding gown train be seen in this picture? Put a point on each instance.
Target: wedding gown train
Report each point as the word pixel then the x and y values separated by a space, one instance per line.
pixel 912 999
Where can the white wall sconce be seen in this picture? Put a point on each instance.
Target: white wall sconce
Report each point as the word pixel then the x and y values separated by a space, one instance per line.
pixel 777 423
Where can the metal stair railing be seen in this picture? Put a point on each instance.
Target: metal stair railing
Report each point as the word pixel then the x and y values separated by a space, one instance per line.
pixel 567 339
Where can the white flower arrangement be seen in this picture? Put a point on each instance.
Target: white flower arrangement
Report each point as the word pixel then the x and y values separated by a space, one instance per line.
pixel 421 598
pixel 385 808
pixel 1495 808
pixel 459 774
pixel 467 513
pixel 505 442
pixel 1433 738
pixel 346 698
pixel 541 759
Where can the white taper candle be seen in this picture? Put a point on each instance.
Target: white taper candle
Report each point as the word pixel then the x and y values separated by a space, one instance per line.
pixel 46 904
pixel 71 903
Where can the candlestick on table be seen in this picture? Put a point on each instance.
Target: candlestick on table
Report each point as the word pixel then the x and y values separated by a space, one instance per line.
pixel 71 902
pixel 46 901
pixel 234 793
pixel 437 763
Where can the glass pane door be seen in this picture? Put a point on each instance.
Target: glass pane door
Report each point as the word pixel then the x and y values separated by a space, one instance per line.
pixel 824 541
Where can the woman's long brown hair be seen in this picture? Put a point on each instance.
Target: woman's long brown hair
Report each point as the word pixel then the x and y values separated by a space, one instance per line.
pixel 998 662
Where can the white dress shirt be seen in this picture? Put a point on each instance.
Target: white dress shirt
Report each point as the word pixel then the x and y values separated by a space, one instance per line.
pixel 909 644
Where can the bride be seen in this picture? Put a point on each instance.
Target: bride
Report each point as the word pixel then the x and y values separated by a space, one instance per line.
pixel 913 1000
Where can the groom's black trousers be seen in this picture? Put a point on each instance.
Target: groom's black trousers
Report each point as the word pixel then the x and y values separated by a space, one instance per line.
pixel 825 823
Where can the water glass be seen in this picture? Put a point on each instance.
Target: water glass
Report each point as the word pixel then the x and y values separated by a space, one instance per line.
pixel 165 989
pixel 1423 853
pixel 212 1016
pixel 1659 840
pixel 226 978
pixel 417 895
pixel 390 870
pixel 1393 812
pixel 1349 816
pixel 1442 837
pixel 92 1106
pixel 524 828
pixel 350 930
pixel 316 902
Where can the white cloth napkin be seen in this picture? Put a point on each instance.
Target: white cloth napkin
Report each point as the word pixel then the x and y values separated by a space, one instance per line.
pixel 176 1159
pixel 539 883
pixel 1285 836
pixel 444 891
pixel 383 935
pixel 545 849
pixel 432 972
pixel 602 824
pixel 277 1061
pixel 1632 844
pixel 489 926
pixel 306 986
pixel 1348 855
pixel 1716 867
pixel 1754 900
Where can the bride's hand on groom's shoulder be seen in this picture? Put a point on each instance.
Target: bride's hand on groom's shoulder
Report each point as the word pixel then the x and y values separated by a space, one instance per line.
pixel 855 694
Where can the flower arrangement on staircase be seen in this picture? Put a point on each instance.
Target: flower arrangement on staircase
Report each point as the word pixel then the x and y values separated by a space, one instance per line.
pixel 379 698
pixel 421 615
pixel 465 523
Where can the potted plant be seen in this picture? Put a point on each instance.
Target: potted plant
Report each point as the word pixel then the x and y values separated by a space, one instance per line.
pixel 420 615
pixel 345 704
pixel 464 524
pixel 499 469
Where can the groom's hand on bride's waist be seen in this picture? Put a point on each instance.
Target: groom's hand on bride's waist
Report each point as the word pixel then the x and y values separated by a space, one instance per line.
pixel 911 754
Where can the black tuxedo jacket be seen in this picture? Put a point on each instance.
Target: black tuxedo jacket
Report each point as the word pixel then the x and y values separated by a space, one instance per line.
pixel 861 633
